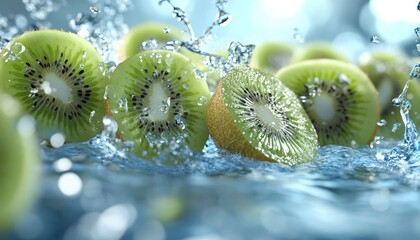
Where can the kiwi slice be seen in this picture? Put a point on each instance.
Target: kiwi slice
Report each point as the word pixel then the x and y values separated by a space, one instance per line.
pixel 389 72
pixel 19 162
pixel 156 98
pixel 271 56
pixel 133 40
pixel 55 75
pixel 254 114
pixel 317 50
pixel 340 99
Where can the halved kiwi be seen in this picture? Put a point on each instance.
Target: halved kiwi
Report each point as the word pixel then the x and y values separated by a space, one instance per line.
pixel 55 75
pixel 271 56
pixel 254 114
pixel 317 50
pixel 156 98
pixel 389 72
pixel 339 98
pixel 19 161
pixel 133 40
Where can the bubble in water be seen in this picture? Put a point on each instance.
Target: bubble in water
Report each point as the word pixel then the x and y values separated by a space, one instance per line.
pixel 202 100
pixel 57 140
pixel 375 39
pixel 415 71
pixel 417 31
pixel 151 44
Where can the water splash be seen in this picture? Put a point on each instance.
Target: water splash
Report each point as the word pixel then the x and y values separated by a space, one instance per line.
pixel 375 39
pixel 238 53
pixel 102 25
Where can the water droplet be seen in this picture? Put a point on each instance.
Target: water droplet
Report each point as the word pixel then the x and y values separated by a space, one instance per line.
pixel 395 127
pixel 298 37
pixel 375 39
pixel 202 100
pixel 122 102
pixel 343 79
pixel 381 122
pixel 110 126
pixel 83 54
pixel 166 30
pixel 179 14
pixel 223 18
pixel 417 31
pixel 46 87
pixel 240 54
pixel 151 44
pixel 13 51
pixel 92 114
pixel 57 140
pixel 415 71
pixel 107 68
pixel 200 74
pixel 165 105
pixel 94 9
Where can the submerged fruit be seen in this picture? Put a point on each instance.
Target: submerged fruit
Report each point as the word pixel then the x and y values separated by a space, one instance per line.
pixel 389 73
pixel 339 98
pixel 55 75
pixel 253 114
pixel 19 161
pixel 158 101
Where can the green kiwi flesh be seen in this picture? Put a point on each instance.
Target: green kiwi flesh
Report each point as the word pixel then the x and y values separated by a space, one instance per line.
pixel 132 41
pixel 339 98
pixel 252 113
pixel 271 56
pixel 155 96
pixel 57 79
pixel 317 50
pixel 19 162
pixel 389 71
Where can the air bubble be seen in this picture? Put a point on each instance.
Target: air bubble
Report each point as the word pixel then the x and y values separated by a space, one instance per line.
pixel 202 100
pixel 375 39
pixel 57 140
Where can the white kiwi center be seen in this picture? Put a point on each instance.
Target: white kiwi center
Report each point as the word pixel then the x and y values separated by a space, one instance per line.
pixel 267 116
pixel 386 91
pixel 57 88
pixel 324 107
pixel 158 100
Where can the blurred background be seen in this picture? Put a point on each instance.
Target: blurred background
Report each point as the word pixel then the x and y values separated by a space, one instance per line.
pixel 349 25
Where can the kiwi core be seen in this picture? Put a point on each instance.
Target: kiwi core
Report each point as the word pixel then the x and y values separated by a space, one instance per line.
pixel 324 107
pixel 267 116
pixel 158 101
pixel 57 87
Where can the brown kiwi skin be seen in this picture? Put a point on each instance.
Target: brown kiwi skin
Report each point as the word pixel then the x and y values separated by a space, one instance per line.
pixel 222 120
